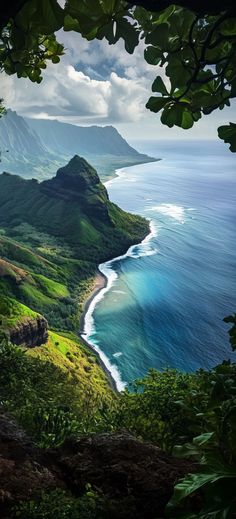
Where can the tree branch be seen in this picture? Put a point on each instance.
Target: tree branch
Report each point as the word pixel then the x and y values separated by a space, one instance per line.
pixel 198 6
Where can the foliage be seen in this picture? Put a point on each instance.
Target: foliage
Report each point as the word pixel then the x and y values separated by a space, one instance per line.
pixel 2 109
pixel 198 53
pixel 151 408
pixel 49 260
pixel 228 134
pixel 169 407
pixel 232 331
pixel 197 50
pixel 27 41
pixel 57 504
pixel 47 399
pixel 215 452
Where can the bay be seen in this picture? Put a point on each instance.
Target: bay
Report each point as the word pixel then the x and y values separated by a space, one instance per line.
pixel 166 298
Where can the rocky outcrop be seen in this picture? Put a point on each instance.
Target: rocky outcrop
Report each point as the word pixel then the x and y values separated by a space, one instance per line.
pixel 137 477
pixel 78 178
pixel 24 470
pixel 30 332
pixel 12 272
pixel 79 182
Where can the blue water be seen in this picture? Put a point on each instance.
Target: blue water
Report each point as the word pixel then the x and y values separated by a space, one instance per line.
pixel 166 299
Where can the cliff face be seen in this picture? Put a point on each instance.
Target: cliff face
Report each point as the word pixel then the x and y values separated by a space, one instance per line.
pixel 34 147
pixel 71 139
pixel 31 332
pixel 79 182
pixel 24 471
pixel 18 137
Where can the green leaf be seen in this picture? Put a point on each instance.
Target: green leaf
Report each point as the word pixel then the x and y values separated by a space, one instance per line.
pixel 177 115
pixel 159 86
pixel 202 439
pixel 71 24
pixel 228 27
pixel 232 331
pixel 190 484
pixel 159 36
pixel 153 55
pixel 228 134
pixel 52 14
pixel 55 59
pixel 155 104
pixel 165 15
pixel 178 73
pixel 129 33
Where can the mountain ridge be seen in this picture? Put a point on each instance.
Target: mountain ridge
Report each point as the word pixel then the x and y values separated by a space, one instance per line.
pixel 36 147
pixel 73 205
pixel 66 142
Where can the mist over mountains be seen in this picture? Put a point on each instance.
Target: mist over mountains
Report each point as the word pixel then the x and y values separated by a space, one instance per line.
pixel 35 147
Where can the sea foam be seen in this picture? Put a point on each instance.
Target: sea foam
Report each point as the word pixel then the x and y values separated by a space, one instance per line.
pixel 174 211
pixel 135 251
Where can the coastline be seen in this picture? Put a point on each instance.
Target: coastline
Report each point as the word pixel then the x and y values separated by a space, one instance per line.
pixel 115 172
pixel 100 282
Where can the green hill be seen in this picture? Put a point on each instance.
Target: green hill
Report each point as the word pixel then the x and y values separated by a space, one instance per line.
pixel 54 234
pixel 74 207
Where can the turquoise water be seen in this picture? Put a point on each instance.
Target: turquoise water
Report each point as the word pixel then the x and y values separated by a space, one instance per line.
pixel 166 298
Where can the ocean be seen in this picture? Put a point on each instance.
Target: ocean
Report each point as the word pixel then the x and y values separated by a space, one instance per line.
pixel 166 298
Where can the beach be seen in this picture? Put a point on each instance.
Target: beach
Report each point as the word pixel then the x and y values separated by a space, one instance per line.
pixel 104 280
pixel 100 282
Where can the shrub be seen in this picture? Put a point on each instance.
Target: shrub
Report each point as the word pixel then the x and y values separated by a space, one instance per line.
pixel 57 504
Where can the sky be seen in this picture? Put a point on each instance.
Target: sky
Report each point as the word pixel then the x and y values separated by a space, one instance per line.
pixel 98 83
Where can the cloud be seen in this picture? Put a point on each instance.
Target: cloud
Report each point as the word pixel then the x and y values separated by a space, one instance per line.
pixel 94 82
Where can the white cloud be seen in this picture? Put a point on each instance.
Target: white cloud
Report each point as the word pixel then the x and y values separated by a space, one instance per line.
pixel 67 92
pixel 96 83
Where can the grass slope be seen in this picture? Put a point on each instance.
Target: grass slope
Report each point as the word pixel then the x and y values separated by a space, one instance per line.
pixel 72 357
pixel 56 289
pixel 52 237
pixel 72 207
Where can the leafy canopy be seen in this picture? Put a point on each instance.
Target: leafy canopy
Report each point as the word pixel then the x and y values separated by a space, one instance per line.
pixel 197 50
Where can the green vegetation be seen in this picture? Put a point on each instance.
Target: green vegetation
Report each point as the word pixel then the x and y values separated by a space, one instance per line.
pixel 60 505
pixel 196 412
pixel 214 449
pixel 37 148
pixel 14 312
pixel 73 207
pixel 58 389
pixel 22 277
pixel 54 235
pixel 55 390
pixel 195 42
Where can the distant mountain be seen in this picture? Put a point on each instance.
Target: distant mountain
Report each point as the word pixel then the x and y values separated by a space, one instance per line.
pixel 18 138
pixel 69 139
pixel 73 206
pixel 36 148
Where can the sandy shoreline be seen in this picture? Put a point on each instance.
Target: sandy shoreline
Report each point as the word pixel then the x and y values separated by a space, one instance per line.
pixel 100 282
